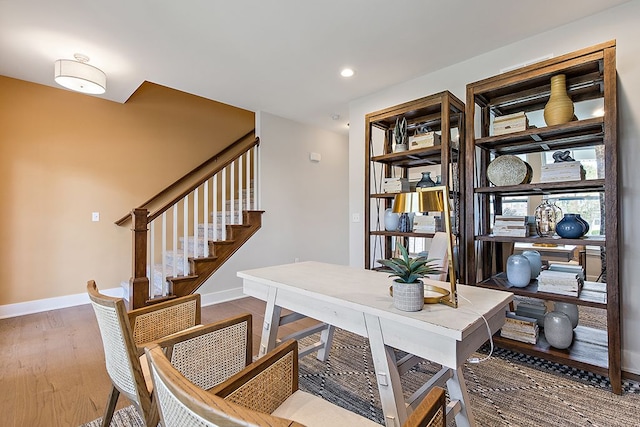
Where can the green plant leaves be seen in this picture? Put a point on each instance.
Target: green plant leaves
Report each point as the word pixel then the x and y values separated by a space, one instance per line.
pixel 409 270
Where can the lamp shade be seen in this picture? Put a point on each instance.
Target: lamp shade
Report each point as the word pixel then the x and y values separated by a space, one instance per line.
pixel 80 77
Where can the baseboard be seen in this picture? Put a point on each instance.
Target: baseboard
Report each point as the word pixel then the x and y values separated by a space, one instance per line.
pixel 38 306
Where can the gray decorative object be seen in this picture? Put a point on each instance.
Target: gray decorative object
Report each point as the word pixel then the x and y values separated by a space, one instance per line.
pixel 562 156
pixel 518 271
pixel 509 170
pixel 408 296
pixel 535 262
pixel 400 135
pixel 558 330
pixel 569 309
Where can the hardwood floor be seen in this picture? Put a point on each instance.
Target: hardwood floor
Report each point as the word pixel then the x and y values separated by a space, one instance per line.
pixel 52 370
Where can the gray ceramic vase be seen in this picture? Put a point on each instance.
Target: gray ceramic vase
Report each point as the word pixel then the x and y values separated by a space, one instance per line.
pixel 535 262
pixel 569 309
pixel 558 330
pixel 518 271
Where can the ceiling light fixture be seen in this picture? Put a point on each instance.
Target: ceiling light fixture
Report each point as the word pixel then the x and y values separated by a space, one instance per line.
pixel 347 72
pixel 79 76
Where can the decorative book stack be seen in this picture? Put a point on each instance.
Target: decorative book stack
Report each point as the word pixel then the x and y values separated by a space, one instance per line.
pixel 510 123
pixel 535 310
pixel 562 279
pixel 516 226
pixel 424 224
pixel 520 328
pixel 395 185
pixel 562 171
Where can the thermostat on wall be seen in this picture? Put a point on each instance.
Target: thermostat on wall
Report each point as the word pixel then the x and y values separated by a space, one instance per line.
pixel 315 157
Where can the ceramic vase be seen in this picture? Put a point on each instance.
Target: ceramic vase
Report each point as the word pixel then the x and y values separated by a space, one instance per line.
pixel 518 271
pixel 569 309
pixel 408 296
pixel 404 223
pixel 391 220
pixel 569 227
pixel 426 181
pixel 558 330
pixel 535 262
pixel 584 223
pixel 559 108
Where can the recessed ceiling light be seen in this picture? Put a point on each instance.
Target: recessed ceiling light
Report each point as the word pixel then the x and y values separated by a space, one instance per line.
pixel 347 72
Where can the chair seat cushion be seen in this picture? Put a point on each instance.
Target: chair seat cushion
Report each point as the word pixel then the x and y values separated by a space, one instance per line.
pixel 314 411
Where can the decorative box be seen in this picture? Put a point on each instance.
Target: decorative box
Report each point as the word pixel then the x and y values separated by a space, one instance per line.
pixel 395 185
pixel 424 140
pixel 515 122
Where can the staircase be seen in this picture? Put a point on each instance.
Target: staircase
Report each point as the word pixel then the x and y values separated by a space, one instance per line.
pixel 182 243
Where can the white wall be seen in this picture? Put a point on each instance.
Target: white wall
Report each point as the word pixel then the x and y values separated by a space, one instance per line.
pixel 619 23
pixel 305 203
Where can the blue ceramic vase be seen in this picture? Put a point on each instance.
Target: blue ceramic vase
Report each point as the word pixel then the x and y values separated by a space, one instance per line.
pixel 584 223
pixel 569 227
pixel 425 181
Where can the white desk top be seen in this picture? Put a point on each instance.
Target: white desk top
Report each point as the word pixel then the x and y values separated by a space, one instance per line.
pixel 368 291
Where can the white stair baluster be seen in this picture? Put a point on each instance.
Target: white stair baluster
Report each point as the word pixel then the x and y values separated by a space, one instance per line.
pixel 232 179
pixel 151 257
pixel 223 202
pixel 240 188
pixel 175 241
pixel 195 223
pixel 163 277
pixel 185 232
pixel 215 206
pixel 205 215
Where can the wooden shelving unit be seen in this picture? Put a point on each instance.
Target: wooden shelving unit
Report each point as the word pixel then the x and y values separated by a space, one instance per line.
pixel 442 113
pixel 590 75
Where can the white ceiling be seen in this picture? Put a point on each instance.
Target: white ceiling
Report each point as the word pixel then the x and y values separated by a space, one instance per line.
pixel 278 56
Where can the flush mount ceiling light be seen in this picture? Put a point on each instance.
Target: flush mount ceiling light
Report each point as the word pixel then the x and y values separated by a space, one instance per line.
pixel 79 76
pixel 347 72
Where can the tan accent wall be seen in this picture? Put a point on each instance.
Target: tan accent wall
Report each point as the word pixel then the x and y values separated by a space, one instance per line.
pixel 65 155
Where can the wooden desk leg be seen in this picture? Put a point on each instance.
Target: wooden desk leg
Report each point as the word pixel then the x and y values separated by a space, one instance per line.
pixel 271 322
pixel 326 338
pixel 458 391
pixel 387 376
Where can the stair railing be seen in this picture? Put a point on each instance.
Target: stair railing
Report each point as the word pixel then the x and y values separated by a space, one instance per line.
pixel 165 239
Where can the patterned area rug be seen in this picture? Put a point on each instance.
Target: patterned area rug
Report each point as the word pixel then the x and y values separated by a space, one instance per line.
pixel 509 389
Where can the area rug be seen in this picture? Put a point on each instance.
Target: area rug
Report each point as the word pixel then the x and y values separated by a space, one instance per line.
pixel 509 389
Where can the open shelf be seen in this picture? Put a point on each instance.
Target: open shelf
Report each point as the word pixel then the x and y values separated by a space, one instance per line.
pixel 585 241
pixel 581 133
pixel 593 294
pixel 589 350
pixel 543 188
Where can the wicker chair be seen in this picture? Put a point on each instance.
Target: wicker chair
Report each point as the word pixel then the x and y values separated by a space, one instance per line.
pixel 265 394
pixel 206 354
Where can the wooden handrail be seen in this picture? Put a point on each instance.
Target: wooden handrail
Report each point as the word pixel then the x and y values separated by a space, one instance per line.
pixel 189 175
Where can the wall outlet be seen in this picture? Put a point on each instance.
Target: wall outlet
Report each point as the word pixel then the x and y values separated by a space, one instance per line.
pixel 355 217
pixel 95 216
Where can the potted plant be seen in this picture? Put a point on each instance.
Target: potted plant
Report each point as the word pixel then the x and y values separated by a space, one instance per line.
pixel 400 135
pixel 408 289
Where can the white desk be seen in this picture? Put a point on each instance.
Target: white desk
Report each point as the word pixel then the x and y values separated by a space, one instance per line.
pixel 358 301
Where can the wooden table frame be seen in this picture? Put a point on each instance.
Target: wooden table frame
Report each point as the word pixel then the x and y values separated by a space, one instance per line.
pixel 357 300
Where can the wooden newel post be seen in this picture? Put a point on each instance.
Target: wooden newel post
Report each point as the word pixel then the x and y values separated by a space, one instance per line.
pixel 139 282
